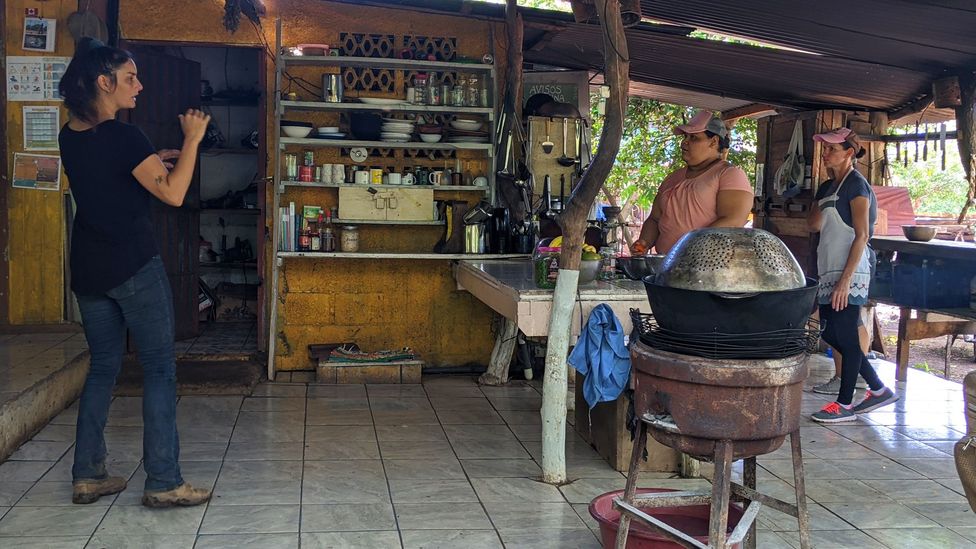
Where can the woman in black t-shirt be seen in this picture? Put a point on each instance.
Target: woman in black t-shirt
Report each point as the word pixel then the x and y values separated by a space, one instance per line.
pixel 117 274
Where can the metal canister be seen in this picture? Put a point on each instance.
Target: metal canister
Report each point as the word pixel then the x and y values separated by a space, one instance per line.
pixel 332 88
pixel 309 158
pixel 350 238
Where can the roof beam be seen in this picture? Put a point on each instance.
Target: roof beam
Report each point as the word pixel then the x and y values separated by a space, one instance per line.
pixel 732 115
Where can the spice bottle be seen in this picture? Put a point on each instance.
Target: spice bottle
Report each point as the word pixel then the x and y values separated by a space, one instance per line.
pixel 327 238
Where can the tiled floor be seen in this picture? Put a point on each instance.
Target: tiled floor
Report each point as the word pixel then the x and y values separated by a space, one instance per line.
pixel 446 465
pixel 29 358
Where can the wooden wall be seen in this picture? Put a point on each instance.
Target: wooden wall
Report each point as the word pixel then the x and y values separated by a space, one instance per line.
pixel 377 303
pixel 774 135
pixel 35 250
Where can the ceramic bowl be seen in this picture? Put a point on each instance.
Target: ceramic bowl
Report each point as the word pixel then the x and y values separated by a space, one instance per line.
pixel 466 125
pixel 430 137
pixel 296 131
pixel 328 129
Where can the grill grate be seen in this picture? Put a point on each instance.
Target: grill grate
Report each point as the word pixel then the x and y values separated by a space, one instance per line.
pixel 719 346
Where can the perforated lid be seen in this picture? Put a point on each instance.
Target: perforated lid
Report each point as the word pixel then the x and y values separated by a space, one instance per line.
pixel 731 260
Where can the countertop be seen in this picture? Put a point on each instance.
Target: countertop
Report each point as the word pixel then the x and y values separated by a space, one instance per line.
pixel 944 249
pixel 518 275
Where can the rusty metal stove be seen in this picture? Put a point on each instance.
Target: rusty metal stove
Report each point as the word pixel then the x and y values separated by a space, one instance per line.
pixel 718 411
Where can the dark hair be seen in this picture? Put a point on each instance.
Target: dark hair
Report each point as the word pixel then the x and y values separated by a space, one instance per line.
pixel 723 142
pixel 858 150
pixel 79 86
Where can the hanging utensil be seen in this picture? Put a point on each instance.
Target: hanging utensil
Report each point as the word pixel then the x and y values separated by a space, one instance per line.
pixel 942 140
pixel 564 160
pixel 925 144
pixel 547 145
pixel 916 142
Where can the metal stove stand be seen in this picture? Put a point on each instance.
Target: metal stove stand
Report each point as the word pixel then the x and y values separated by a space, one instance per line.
pixel 723 490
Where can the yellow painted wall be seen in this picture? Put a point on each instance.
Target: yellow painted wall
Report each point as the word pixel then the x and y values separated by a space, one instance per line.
pixel 36 244
pixel 379 304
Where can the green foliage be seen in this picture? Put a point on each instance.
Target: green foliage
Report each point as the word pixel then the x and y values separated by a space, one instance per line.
pixel 933 191
pixel 649 151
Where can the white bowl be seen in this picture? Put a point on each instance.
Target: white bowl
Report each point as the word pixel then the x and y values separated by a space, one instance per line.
pixel 430 137
pixel 296 131
pixel 466 125
pixel 398 128
pixel 328 129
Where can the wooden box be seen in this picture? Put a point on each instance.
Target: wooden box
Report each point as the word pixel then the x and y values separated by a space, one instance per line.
pixel 605 428
pixel 403 371
pixel 386 203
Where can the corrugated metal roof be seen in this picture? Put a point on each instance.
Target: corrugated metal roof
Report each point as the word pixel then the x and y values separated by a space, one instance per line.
pixel 871 54
pixel 929 36
pixel 741 72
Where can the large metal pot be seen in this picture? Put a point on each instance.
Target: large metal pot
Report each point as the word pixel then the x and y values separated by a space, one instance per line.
pixel 731 260
pixel 756 402
pixel 696 312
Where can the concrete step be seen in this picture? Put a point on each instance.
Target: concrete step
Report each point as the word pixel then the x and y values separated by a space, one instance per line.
pixel 30 410
pixel 401 371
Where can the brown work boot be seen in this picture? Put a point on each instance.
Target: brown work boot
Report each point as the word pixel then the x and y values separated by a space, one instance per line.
pixel 88 491
pixel 183 495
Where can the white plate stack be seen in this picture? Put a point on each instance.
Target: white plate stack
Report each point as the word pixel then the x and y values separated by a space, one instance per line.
pixel 396 131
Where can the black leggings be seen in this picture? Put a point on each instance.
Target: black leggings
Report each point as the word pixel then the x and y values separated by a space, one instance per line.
pixel 840 332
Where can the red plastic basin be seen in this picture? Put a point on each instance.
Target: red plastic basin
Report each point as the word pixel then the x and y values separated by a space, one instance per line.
pixel 692 520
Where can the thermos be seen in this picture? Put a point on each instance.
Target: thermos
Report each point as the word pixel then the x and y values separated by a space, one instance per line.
pixel 332 88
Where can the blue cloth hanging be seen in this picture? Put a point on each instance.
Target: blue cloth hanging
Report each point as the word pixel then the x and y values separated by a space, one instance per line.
pixel 601 356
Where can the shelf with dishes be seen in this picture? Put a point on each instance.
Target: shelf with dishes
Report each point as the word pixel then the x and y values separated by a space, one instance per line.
pixel 320 142
pixel 385 63
pixel 382 255
pixel 433 222
pixel 399 106
pixel 472 188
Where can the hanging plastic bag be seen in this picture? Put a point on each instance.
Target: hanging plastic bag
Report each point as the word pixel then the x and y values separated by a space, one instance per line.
pixel 788 180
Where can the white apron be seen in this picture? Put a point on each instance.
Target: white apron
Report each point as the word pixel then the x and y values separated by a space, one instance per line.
pixel 836 238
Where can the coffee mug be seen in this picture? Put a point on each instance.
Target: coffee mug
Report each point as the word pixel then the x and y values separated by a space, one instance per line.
pixel 376 176
pixel 395 178
pixel 435 177
pixel 338 174
pixel 481 181
pixel 362 177
pixel 409 179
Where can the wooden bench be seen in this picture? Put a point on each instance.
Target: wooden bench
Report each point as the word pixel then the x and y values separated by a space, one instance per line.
pixel 928 323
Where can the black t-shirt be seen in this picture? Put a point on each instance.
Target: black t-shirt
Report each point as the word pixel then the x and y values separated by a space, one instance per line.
pixel 112 236
pixel 854 186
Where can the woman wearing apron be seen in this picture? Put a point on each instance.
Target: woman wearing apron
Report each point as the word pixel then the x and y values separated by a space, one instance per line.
pixel 845 214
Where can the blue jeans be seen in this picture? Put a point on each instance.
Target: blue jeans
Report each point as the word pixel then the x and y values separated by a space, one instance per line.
pixel 144 304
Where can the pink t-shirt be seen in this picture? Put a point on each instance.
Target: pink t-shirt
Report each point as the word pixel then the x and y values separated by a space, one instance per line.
pixel 689 204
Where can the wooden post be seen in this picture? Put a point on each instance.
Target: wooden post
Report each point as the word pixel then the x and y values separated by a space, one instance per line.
pixel 573 224
pixel 515 31
pixel 966 137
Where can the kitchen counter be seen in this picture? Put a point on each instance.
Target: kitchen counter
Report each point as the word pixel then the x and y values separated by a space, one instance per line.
pixel 943 249
pixel 509 289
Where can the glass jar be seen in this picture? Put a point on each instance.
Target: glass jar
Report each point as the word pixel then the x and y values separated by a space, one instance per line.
pixel 545 262
pixel 460 91
pixel 608 270
pixel 291 166
pixel 350 238
pixel 473 91
pixel 420 89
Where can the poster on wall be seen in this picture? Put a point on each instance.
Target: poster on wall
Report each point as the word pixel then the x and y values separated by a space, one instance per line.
pixel 41 126
pixel 34 78
pixel 39 34
pixel 37 171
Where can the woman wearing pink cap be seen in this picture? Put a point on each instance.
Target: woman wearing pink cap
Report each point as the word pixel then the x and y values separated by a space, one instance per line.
pixel 844 216
pixel 707 192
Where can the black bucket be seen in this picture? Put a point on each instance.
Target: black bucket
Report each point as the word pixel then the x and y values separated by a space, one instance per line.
pixel 696 312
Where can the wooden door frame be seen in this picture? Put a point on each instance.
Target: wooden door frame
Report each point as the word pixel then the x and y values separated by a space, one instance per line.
pixel 261 235
pixel 4 217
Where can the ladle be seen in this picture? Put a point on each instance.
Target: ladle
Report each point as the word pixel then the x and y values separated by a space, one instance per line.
pixel 564 160
pixel 547 145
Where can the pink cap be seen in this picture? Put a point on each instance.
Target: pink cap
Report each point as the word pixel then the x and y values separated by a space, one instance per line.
pixel 840 135
pixel 703 121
